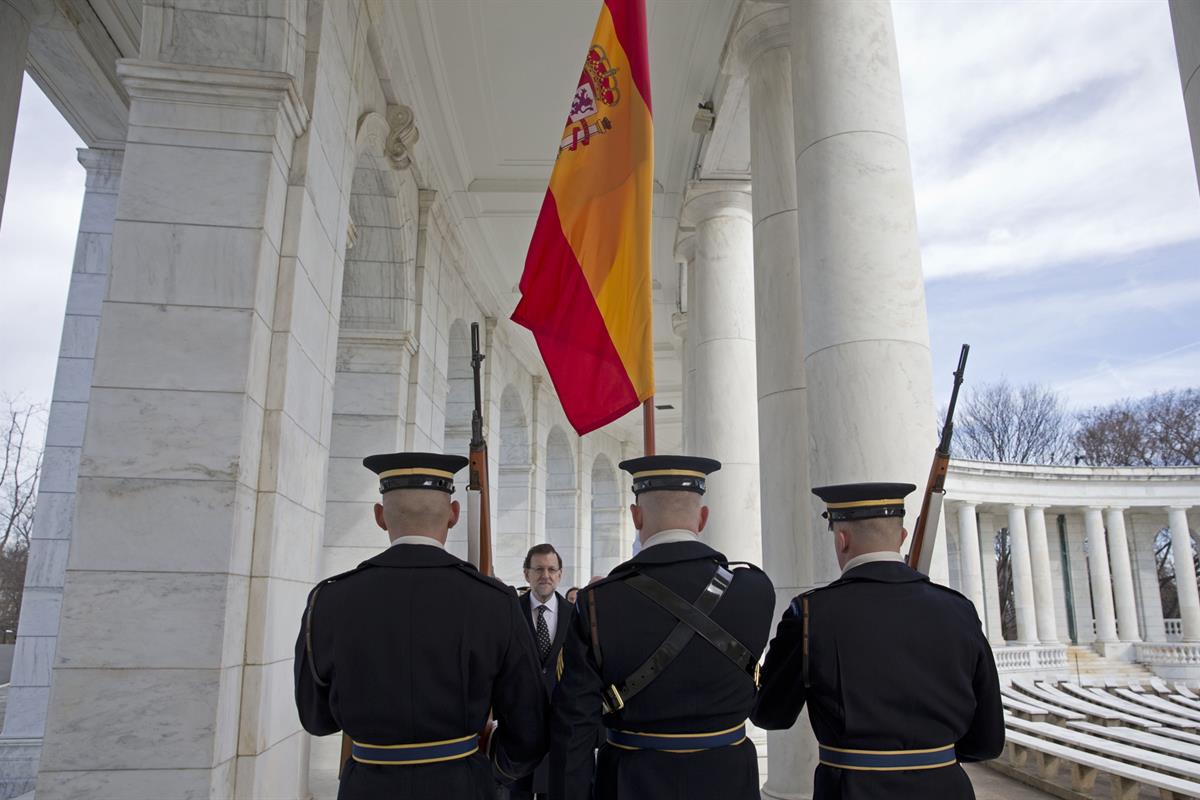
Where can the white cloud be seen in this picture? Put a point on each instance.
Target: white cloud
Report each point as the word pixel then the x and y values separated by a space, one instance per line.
pixel 1044 134
pixel 1115 380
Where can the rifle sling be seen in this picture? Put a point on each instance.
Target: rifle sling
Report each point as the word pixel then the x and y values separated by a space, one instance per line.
pixel 679 636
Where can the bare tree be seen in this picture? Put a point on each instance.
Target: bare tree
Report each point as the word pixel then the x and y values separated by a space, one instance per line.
pixel 20 467
pixel 1160 430
pixel 1004 581
pixel 1164 562
pixel 1014 425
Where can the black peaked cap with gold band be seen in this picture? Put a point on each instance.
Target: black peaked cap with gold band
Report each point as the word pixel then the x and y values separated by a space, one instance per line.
pixel 415 470
pixel 849 501
pixel 670 473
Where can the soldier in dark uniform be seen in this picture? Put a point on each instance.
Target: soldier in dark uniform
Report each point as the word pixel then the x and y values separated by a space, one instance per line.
pixel 549 616
pixel 896 671
pixel 665 650
pixel 408 652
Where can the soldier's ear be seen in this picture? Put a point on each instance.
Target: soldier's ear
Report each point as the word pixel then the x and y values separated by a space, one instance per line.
pixel 903 535
pixel 635 511
pixel 841 542
pixel 703 518
pixel 455 510
pixel 379 520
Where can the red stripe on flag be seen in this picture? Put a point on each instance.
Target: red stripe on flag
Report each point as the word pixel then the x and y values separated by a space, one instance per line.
pixel 558 306
pixel 629 21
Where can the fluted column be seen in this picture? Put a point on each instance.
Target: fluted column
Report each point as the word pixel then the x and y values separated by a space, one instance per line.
pixel 1122 575
pixel 796 553
pixel 14 46
pixel 726 407
pixel 868 373
pixel 1185 575
pixel 968 558
pixel 1022 575
pixel 1185 20
pixel 685 254
pixel 1102 596
pixel 1043 586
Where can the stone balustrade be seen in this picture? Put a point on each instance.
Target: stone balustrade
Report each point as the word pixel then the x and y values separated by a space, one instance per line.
pixel 1030 658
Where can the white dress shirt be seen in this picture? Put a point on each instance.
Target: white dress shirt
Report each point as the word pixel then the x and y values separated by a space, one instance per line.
pixel 868 558
pixel 670 536
pixel 551 612
pixel 425 540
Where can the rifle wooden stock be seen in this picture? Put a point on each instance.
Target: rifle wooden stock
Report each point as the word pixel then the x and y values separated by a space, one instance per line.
pixel 479 483
pixel 936 483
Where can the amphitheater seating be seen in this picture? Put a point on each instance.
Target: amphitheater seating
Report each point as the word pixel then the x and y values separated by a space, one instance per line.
pixel 1138 734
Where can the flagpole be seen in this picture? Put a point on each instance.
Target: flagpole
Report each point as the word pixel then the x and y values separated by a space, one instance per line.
pixel 648 426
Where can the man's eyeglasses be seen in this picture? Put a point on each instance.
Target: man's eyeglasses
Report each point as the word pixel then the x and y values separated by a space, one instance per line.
pixel 543 570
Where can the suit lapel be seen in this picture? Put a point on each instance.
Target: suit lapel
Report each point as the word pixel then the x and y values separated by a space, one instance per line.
pixel 527 612
pixel 565 611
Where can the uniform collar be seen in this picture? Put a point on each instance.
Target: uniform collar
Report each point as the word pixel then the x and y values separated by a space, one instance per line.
pixel 414 557
pixel 882 572
pixel 425 540
pixel 671 552
pixel 870 558
pixel 671 536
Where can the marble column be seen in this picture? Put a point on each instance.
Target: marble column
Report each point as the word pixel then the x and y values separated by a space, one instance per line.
pixel 29 692
pixel 1022 575
pixel 679 326
pixel 14 46
pixel 1185 20
pixel 1101 578
pixel 870 398
pixel 797 552
pixel 202 472
pixel 1122 575
pixel 726 405
pixel 685 254
pixel 968 557
pixel 1185 576
pixel 1043 584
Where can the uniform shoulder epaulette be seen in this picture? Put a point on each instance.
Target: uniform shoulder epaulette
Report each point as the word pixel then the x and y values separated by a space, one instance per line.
pixel 495 583
pixel 748 564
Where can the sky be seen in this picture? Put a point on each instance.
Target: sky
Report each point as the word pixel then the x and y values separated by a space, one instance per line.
pixel 1055 188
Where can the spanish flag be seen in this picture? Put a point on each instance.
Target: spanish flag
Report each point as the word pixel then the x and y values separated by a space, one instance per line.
pixel 586 289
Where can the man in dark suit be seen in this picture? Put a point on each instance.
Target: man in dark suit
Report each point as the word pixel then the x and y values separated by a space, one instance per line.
pixel 408 652
pixel 549 618
pixel 665 651
pixel 897 674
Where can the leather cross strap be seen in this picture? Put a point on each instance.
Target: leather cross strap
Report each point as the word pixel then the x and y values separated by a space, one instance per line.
pixel 699 621
pixel 678 638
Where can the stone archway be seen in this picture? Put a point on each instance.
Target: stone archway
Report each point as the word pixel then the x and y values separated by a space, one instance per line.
pixel 562 504
pixel 512 534
pixel 606 517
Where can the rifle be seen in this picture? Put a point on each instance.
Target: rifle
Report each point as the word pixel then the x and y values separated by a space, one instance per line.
pixel 479 527
pixel 920 553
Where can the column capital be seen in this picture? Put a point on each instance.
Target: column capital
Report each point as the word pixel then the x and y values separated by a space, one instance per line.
pixel 961 504
pixel 707 200
pixel 223 86
pixel 1038 506
pixel 1182 508
pixel 1116 508
pixel 764 27
pixel 103 167
pixel 1021 506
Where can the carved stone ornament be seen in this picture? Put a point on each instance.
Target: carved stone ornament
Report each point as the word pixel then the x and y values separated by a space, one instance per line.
pixel 402 135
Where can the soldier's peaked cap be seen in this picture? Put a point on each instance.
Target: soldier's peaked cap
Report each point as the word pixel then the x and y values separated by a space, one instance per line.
pixel 670 473
pixel 847 501
pixel 415 470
